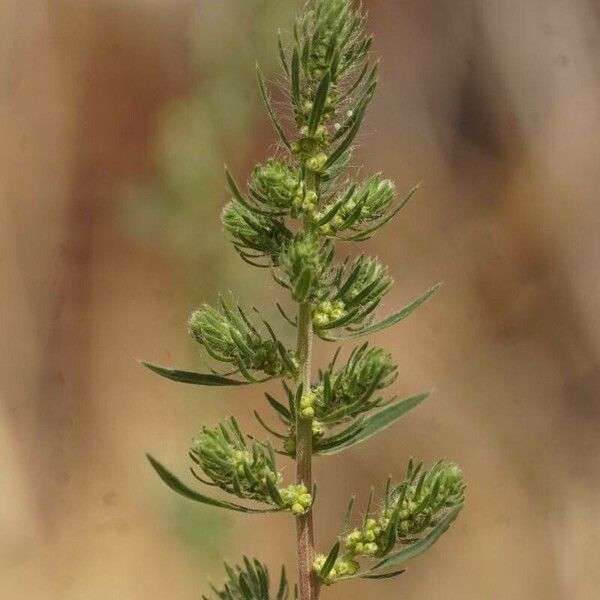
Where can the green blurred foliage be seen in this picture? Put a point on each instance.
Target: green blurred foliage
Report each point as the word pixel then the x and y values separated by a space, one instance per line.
pixel 174 209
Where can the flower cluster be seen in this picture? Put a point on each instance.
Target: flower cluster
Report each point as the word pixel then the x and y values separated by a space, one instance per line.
pixel 229 336
pixel 423 497
pixel 341 395
pixel 307 404
pixel 277 185
pixel 249 472
pixel 337 41
pixel 343 567
pixel 297 498
pixel 352 296
pixel 224 456
pixel 352 390
pixel 411 507
pixel 253 235
pixel 330 48
pixel 356 207
pixel 420 502
pixel 304 260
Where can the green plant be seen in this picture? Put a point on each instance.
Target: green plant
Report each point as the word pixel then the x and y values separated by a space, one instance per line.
pixel 295 210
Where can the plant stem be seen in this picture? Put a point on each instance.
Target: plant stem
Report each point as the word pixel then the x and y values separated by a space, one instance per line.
pixel 307 581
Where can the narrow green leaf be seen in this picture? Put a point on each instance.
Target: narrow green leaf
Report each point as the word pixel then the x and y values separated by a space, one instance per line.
pixel 391 320
pixel 330 561
pixel 342 437
pixel 279 436
pixel 182 489
pixel 303 285
pixel 379 422
pixel 348 512
pixel 245 587
pixel 282 410
pixel 274 492
pixel 282 593
pixel 237 195
pixel 345 143
pixel 234 189
pixel 365 234
pixel 285 316
pixel 336 207
pixel 296 78
pixel 190 377
pixel 282 56
pixel 358 112
pixel 385 575
pixel 319 103
pixel 419 547
pixel 267 102
pixel 338 168
pixel 392 532
pixel 356 83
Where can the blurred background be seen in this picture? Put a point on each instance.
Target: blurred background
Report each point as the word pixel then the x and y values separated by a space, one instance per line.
pixel 116 119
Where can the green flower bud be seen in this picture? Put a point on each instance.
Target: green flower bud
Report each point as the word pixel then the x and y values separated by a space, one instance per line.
pixel 319 562
pixel 367 371
pixel 308 413
pixel 424 497
pixel 360 287
pixel 337 313
pixel 373 199
pixel 289 445
pixel 297 498
pixel 317 162
pixel 418 503
pixel 307 400
pixel 275 184
pixel 343 567
pixel 370 549
pixel 317 429
pixel 353 538
pixel 305 253
pixel 227 335
pixel 305 500
pixel 311 198
pixel 225 459
pixel 370 536
pixel 252 233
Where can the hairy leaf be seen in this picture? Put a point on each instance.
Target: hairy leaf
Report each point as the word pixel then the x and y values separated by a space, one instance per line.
pixel 388 322
pixel 182 489
pixel 379 422
pixel 267 102
pixel 419 547
pixel 330 561
pixel 191 377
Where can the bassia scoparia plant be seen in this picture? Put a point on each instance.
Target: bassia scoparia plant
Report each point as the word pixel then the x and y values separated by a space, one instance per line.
pixel 296 206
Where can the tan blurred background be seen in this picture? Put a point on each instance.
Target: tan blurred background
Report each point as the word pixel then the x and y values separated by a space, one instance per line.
pixel 116 119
